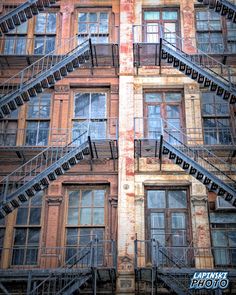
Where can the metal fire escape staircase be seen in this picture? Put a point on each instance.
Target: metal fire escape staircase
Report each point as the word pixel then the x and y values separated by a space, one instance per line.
pixel 43 74
pixel 21 13
pixel 224 7
pixel 40 171
pixel 198 66
pixel 69 278
pixel 200 163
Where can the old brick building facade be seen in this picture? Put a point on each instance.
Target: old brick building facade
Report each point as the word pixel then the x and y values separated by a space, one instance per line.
pixel 117 145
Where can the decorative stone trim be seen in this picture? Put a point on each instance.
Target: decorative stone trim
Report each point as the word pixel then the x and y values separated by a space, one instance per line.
pixel 199 200
pixel 54 201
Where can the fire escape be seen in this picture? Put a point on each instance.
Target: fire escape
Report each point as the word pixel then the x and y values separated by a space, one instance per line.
pixel 170 269
pixel 16 15
pixel 94 262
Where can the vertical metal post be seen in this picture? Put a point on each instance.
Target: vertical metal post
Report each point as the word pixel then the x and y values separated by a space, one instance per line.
pixel 135 253
pixel 29 282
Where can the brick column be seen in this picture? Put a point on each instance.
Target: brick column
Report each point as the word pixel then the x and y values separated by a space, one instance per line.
pixel 126 210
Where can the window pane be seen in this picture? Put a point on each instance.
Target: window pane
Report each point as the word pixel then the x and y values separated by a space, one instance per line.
pixel 22 216
pixel 219 238
pixel 178 221
pixel 2 233
pixel 18 256
pixel 39 45
pixel 33 236
pixel 73 216
pixel 157 220
pixel 169 97
pixel 72 236
pixel 85 216
pixel 37 199
pixel 35 216
pixel 153 97
pixel 51 23
pixel 86 199
pixel 81 105
pixel 98 107
pixel 97 129
pixel 99 196
pixel 50 44
pixel 20 237
pixel 169 15
pixel 40 23
pixel 98 216
pixel 177 199
pixel 232 238
pixel 156 199
pixel 9 45
pixel 151 15
pixel 20 45
pixel 158 235
pixel 22 29
pixel 31 256
pixel 74 198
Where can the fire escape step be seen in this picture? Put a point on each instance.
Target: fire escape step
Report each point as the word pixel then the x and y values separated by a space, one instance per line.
pixel 23 198
pixel 22 16
pixel 15 203
pixel 79 156
pixel 44 181
pixel 16 19
pixel 6 208
pixel 66 166
pixel 34 9
pixel 10 23
pixel 19 101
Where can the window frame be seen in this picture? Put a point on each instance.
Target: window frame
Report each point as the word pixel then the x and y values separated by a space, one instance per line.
pixel 163 105
pixel 223 31
pixel 83 119
pixel 39 119
pixel 27 226
pixel 168 212
pixel 96 35
pixel 160 21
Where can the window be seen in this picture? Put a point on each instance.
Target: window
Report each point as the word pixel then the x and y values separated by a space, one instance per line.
pixel 2 234
pixel 85 218
pixel 27 232
pixel 90 112
pixel 16 40
pixel 216 119
pixel 224 244
pixel 45 33
pixel 38 120
pixel 160 21
pixel 214 34
pixel 8 129
pixel 163 109
pixel 93 25
pixel 167 219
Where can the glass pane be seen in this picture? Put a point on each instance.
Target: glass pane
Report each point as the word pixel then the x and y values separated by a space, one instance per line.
pixel 156 199
pixel 40 23
pixel 51 23
pixel 178 221
pixel 74 198
pixel 169 15
pixel 219 238
pixel 179 238
pixel 153 97
pixel 31 256
pixel 50 44
pixel 9 45
pixel 20 45
pixel 20 236
pixel 81 105
pixel 177 199
pixel 22 216
pixel 18 256
pixel 35 216
pixel 98 107
pixel 37 199
pixel 98 216
pixel 93 17
pixel 172 97
pixel 158 235
pixel 85 216
pixel 151 15
pixel 157 221
pixel 86 199
pixel 33 236
pixel 73 216
pixel 22 29
pixel 99 196
pixel 97 129
pixel 39 44
pixel 173 111
pixel 43 133
pixel 82 17
pixel 86 235
pixel 232 238
pixel 2 233
pixel 71 236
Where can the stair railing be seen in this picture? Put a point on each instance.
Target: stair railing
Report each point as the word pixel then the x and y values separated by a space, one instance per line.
pixel 42 161
pixel 66 48
pixel 200 154
pixel 187 50
pixel 75 267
